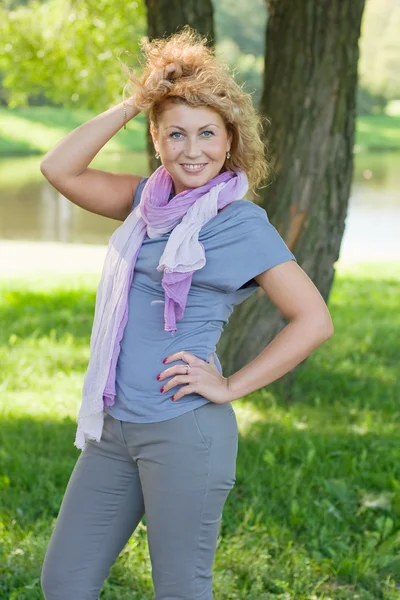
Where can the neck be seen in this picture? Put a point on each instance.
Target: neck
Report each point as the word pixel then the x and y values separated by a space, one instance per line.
pixel 172 194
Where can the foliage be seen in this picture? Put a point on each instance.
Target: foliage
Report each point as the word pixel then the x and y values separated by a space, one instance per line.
pixel 242 22
pixel 67 50
pixel 58 46
pixel 58 56
pixel 379 65
pixel 248 67
pixel 368 103
pixel 315 512
pixel 240 34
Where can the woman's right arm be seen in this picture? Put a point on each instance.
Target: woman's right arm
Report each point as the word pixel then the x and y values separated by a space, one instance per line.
pixel 65 166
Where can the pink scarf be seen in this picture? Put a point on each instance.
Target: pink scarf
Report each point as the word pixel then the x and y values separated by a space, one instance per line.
pixel 184 215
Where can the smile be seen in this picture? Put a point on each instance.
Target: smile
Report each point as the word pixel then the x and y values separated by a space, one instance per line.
pixel 190 168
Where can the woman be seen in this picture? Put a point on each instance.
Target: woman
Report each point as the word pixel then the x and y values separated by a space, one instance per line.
pixel 190 248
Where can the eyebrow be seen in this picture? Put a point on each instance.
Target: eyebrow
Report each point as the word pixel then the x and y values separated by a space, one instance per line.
pixel 203 127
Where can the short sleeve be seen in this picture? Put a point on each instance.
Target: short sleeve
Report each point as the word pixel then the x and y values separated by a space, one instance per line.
pixel 138 193
pixel 257 248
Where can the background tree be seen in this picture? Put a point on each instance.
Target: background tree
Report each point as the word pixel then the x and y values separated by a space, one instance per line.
pixel 165 17
pixel 56 64
pixel 309 96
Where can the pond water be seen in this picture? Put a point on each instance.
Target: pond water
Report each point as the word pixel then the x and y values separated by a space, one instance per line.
pixel 31 209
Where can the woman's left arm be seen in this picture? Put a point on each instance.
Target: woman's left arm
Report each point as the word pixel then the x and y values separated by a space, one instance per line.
pixel 310 324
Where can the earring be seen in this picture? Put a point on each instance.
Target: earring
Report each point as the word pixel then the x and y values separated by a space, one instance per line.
pixel 228 155
pixel 157 155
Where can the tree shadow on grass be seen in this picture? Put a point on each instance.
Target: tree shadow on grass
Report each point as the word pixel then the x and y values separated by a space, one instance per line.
pixel 300 502
pixel 36 462
pixel 316 504
pixel 352 364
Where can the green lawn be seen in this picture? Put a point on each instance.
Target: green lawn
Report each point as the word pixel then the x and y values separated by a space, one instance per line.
pixel 315 512
pixel 378 132
pixel 34 130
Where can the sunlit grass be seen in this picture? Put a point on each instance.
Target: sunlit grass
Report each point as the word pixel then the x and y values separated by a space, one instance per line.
pixel 378 131
pixel 315 512
pixel 35 129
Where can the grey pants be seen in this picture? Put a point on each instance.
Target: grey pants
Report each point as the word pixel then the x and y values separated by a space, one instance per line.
pixel 177 472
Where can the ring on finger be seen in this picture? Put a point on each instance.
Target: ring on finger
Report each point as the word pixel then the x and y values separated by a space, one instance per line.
pixel 187 367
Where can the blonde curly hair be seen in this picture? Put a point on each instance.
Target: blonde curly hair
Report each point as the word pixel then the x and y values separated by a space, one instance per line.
pixel 199 79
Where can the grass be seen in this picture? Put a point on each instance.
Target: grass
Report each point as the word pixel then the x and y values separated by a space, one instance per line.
pixel 35 129
pixel 378 132
pixel 315 512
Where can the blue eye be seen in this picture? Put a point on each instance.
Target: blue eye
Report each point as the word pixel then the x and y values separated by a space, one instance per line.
pixel 174 133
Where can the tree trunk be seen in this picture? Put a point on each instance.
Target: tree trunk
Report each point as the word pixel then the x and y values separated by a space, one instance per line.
pixel 169 16
pixel 309 97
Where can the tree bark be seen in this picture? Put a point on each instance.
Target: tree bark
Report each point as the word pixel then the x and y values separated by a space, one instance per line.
pixel 309 97
pixel 165 17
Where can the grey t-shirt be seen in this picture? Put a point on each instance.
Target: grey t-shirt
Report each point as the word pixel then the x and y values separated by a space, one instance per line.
pixel 239 243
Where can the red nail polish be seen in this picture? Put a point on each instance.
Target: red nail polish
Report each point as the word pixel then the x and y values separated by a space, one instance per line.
pixel 162 389
pixel 165 360
pixel 173 399
pixel 158 377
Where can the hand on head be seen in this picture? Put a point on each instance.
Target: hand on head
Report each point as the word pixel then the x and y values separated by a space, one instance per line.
pixel 159 75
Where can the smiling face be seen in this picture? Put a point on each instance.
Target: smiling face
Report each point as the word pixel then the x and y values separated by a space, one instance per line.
pixel 192 143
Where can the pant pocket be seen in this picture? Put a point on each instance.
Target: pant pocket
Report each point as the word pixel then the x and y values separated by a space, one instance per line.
pixel 214 422
pixel 206 439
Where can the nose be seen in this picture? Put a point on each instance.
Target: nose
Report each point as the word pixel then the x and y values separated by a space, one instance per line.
pixel 192 147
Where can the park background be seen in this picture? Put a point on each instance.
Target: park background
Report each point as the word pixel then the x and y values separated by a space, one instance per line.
pixel 315 512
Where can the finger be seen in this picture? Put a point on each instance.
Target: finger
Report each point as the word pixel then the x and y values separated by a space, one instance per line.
pixel 170 67
pixel 174 370
pixel 176 381
pixel 182 355
pixel 187 389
